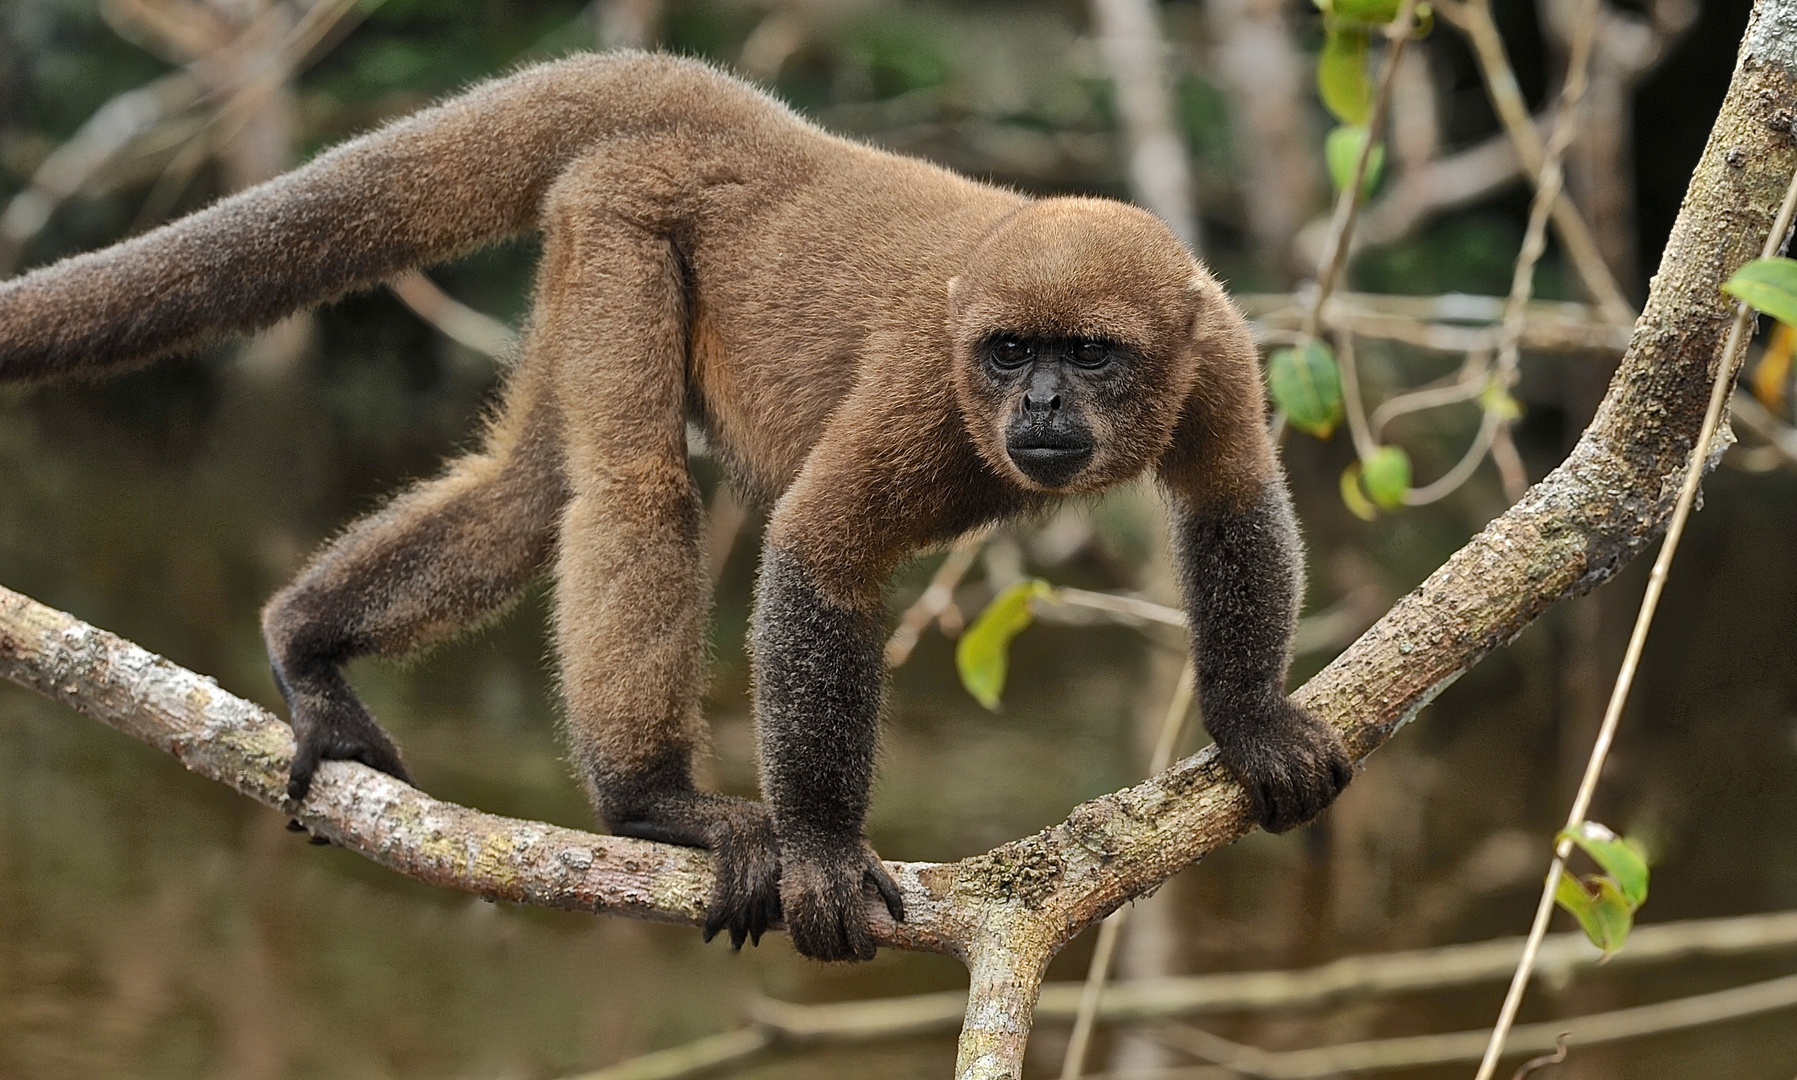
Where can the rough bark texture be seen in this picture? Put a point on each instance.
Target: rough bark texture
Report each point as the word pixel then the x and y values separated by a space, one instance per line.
pixel 1008 911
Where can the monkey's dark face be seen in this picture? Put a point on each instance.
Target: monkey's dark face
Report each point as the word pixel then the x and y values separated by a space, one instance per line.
pixel 1072 330
pixel 1052 386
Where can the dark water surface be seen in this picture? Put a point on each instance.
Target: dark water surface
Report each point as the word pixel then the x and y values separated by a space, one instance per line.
pixel 153 924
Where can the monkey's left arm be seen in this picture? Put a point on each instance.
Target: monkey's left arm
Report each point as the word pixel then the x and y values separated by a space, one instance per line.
pixel 1241 570
pixel 1241 565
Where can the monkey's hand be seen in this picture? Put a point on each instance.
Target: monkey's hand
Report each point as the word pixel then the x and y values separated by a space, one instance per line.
pixel 333 739
pixel 824 894
pixel 1292 764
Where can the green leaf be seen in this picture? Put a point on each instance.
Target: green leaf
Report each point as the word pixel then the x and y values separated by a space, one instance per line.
pixel 1342 75
pixel 1342 151
pixel 1599 906
pixel 1621 859
pixel 1357 502
pixel 983 653
pixel 1386 474
pixel 1769 285
pixel 1375 12
pixel 1307 386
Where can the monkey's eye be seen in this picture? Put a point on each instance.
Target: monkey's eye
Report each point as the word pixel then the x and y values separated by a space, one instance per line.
pixel 1010 352
pixel 1092 353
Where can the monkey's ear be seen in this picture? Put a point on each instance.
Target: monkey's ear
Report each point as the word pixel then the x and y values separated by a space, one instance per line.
pixel 1196 303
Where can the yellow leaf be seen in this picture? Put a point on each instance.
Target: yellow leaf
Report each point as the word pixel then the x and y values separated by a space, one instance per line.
pixel 1773 371
pixel 1355 499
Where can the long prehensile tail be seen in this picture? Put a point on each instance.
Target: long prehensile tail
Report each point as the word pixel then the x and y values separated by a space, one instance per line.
pixel 444 181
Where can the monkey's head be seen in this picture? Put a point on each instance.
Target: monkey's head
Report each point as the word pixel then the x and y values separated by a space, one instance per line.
pixel 1073 333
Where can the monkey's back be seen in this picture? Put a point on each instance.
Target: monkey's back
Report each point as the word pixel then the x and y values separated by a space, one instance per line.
pixel 815 263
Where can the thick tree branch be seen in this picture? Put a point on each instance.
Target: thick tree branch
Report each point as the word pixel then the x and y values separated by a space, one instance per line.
pixel 1008 911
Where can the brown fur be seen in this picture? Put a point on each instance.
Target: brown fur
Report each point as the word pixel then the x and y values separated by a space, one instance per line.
pixel 818 306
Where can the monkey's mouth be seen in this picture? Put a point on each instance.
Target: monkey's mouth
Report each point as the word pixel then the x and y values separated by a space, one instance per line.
pixel 1048 460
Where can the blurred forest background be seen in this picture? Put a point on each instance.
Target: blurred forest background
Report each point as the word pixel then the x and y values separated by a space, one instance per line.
pixel 156 925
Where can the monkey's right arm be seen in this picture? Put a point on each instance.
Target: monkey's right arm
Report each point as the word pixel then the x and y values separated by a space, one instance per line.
pixel 818 682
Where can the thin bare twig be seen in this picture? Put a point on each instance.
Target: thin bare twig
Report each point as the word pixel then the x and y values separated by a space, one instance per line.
pixel 1512 473
pixel 1548 184
pixel 454 319
pixel 258 82
pixel 1563 957
pixel 1781 438
pixel 936 597
pixel 1450 481
pixel 1493 425
pixel 1132 608
pixel 1358 427
pixel 1473 18
pixel 1535 1064
pixel 688 1059
pixel 1465 384
pixel 1448 322
pixel 98 141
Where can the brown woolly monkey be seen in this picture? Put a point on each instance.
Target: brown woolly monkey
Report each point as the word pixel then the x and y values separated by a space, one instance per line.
pixel 889 353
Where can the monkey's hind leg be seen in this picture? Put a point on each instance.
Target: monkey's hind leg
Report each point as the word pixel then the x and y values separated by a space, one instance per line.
pixel 440 557
pixel 631 597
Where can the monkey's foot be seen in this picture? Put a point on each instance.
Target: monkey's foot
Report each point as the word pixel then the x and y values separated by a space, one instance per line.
pixel 823 892
pixel 745 897
pixel 1292 764
pixel 739 833
pixel 331 724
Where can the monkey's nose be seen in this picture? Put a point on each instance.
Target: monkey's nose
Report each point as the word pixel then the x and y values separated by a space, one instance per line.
pixel 1036 404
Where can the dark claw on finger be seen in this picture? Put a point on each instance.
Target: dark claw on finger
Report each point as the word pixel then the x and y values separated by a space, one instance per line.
pixel 888 890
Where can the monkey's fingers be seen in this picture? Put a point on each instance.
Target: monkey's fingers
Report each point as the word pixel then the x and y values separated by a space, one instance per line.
pixel 1291 764
pixel 312 746
pixel 825 907
pixel 887 888
pixel 745 898
pixel 745 921
pixel 381 757
pixel 766 912
pixel 306 756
